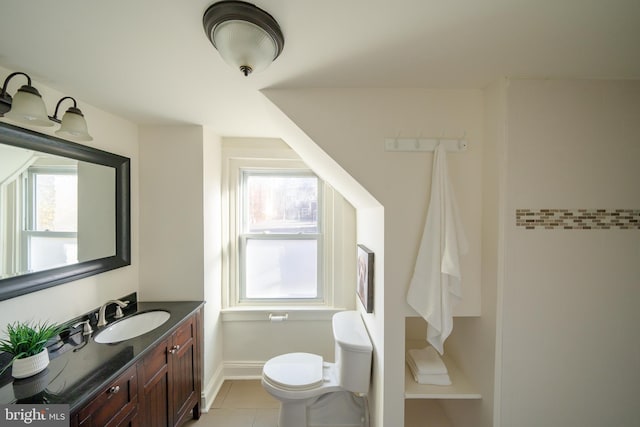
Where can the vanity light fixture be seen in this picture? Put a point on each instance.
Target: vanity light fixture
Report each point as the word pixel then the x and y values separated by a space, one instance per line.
pixel 27 107
pixel 73 123
pixel 247 37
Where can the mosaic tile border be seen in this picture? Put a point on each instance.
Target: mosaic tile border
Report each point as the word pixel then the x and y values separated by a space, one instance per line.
pixel 578 219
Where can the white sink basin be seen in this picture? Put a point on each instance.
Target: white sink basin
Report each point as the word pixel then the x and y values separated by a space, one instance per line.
pixel 132 326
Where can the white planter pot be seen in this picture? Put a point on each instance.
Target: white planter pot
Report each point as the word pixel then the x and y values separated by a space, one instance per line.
pixel 23 368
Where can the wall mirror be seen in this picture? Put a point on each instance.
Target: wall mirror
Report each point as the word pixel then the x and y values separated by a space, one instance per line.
pixel 64 211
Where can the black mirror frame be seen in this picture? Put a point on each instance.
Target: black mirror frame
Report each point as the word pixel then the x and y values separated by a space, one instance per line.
pixel 30 282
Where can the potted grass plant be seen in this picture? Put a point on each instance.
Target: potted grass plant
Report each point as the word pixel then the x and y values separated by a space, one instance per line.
pixel 27 343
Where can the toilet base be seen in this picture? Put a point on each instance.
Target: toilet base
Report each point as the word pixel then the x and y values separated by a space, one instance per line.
pixel 292 414
pixel 338 409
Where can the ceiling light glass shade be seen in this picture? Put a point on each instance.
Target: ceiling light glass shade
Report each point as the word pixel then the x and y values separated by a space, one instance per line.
pixel 74 125
pixel 247 37
pixel 244 46
pixel 28 107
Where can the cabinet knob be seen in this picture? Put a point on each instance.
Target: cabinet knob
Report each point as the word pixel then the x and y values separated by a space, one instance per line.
pixel 174 349
pixel 114 390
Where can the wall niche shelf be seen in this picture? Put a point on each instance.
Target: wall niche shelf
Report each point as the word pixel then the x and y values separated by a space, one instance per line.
pixel 460 387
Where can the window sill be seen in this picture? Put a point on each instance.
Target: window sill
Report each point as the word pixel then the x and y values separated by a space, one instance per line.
pixel 261 314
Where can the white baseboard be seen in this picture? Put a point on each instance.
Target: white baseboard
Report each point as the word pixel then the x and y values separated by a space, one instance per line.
pixel 243 370
pixel 235 370
pixel 211 389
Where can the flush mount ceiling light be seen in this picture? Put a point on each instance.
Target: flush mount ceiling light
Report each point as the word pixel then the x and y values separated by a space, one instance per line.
pixel 247 37
pixel 27 107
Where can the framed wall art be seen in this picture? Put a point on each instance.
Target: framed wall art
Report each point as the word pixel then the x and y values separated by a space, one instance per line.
pixel 364 287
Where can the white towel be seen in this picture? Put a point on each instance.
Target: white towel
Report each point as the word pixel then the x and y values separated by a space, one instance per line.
pixel 432 379
pixel 435 285
pixel 427 361
pixel 436 379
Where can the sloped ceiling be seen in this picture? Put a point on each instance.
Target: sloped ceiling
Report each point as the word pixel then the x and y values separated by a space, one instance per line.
pixel 149 60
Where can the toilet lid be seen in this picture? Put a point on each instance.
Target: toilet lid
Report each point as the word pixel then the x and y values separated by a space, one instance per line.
pixel 294 371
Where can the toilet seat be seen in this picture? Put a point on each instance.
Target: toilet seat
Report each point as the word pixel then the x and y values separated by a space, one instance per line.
pixel 294 371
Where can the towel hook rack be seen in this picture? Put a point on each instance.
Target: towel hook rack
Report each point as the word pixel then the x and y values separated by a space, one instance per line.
pixel 425 144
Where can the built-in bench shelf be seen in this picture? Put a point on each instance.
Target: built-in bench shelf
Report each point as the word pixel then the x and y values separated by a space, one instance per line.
pixel 460 387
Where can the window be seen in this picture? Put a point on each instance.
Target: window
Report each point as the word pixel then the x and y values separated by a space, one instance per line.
pixel 50 237
pixel 288 237
pixel 280 238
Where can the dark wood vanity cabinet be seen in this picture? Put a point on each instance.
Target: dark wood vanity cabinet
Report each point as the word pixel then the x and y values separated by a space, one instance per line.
pixel 186 371
pixel 162 389
pixel 114 406
pixel 169 378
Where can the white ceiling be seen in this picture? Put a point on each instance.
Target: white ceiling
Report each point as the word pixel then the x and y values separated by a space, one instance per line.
pixel 150 61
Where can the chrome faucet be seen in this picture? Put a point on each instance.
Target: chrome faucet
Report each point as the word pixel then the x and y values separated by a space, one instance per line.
pixel 102 321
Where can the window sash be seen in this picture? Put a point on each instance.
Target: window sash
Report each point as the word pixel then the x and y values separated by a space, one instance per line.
pixel 31 199
pixel 34 260
pixel 246 173
pixel 243 241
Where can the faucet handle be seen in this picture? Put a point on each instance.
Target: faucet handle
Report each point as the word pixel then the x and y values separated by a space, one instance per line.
pixel 119 313
pixel 86 330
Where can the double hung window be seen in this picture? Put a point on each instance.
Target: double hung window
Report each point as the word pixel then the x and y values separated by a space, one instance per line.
pixel 280 236
pixel 50 225
pixel 287 235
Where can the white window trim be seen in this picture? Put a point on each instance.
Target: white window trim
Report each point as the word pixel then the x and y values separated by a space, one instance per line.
pixel 241 153
pixel 234 297
pixel 299 169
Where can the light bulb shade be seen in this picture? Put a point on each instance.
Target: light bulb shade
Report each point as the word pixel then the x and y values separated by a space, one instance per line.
pixel 243 44
pixel 28 107
pixel 247 37
pixel 74 125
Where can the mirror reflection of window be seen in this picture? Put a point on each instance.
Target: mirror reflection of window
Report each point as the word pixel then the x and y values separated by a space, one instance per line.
pixel 54 211
pixel 51 219
pixel 48 237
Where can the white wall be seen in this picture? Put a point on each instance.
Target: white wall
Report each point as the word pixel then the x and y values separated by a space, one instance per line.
pixel 171 213
pixel 349 125
pixel 473 341
pixel 96 211
pixel 180 227
pixel 11 160
pixel 111 134
pixel 213 340
pixel 570 353
pixel 371 227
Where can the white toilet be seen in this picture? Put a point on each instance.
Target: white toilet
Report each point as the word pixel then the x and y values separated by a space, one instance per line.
pixel 314 393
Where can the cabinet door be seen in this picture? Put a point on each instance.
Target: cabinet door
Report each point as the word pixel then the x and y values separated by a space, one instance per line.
pixel 153 375
pixel 170 378
pixel 185 371
pixel 114 406
pixel 130 420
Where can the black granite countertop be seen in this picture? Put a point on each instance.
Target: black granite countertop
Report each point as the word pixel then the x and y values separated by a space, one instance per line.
pixel 86 367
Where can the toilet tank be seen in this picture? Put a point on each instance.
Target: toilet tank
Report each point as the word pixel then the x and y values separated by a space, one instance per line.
pixel 353 351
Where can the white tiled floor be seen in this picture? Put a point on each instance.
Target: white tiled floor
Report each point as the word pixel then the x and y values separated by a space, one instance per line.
pixel 244 403
pixel 240 404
